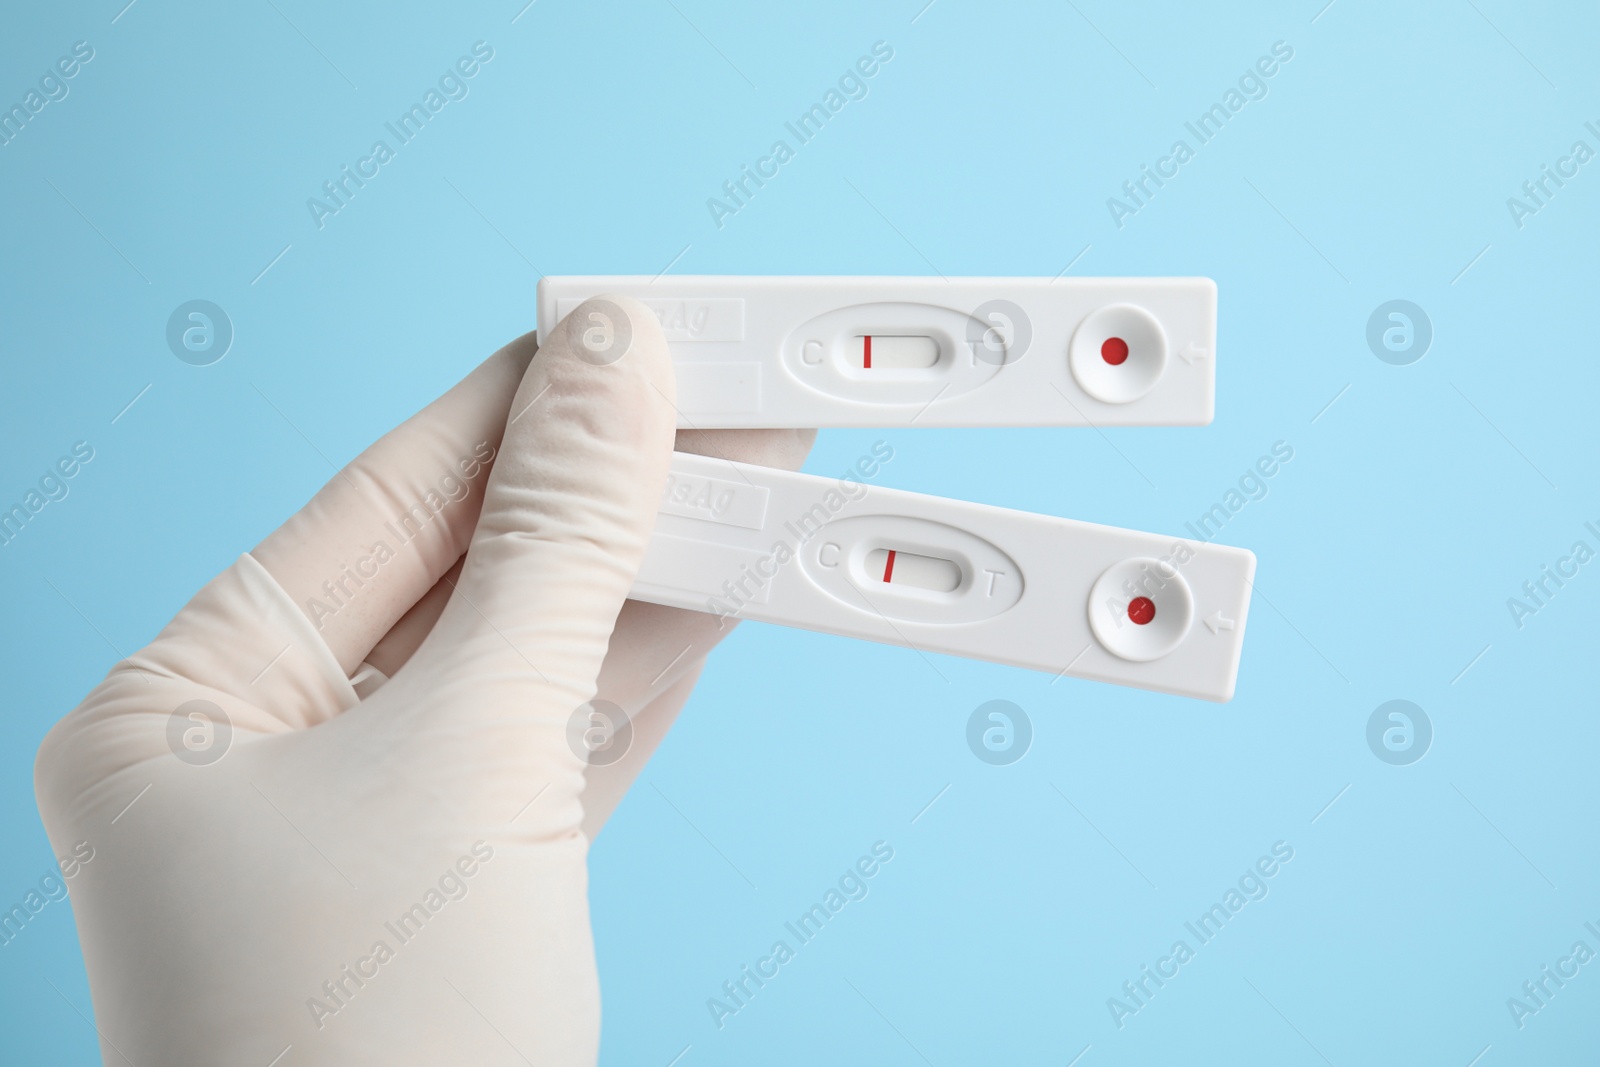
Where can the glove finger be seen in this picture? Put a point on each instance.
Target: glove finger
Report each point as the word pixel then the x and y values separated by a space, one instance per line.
pixel 566 516
pixel 605 784
pixel 383 530
pixel 273 639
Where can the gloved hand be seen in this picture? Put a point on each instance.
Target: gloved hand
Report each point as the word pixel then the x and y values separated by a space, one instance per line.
pixel 387 863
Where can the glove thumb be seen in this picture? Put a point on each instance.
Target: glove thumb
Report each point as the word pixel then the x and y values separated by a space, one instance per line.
pixel 568 510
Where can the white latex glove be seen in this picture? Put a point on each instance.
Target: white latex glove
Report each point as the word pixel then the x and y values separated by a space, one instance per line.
pixel 393 872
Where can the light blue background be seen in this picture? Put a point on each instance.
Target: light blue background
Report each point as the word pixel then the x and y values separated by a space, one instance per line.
pixel 1377 167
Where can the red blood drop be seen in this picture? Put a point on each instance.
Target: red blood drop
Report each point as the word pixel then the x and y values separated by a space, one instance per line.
pixel 1114 351
pixel 1141 610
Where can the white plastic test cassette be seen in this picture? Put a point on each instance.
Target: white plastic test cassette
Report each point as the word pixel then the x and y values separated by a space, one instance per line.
pixel 858 351
pixel 948 576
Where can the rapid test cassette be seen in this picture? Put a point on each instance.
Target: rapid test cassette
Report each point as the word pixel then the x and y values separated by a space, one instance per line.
pixel 884 352
pixel 939 575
